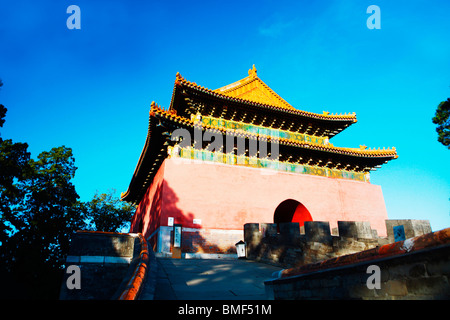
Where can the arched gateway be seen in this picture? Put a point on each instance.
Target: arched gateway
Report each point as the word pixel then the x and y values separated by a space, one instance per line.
pixel 291 211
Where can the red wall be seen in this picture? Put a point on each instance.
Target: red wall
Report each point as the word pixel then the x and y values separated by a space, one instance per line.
pixel 148 212
pixel 227 197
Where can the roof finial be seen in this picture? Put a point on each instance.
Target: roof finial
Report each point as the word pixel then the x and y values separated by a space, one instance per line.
pixel 252 72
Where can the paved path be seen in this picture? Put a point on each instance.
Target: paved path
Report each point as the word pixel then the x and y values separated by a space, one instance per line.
pixel 211 279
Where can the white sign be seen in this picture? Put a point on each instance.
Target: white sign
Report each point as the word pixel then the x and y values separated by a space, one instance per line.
pixel 177 237
pixel 197 221
pixel 170 222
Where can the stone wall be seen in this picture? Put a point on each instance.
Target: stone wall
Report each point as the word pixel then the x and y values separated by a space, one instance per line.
pixel 104 260
pixel 415 269
pixel 289 245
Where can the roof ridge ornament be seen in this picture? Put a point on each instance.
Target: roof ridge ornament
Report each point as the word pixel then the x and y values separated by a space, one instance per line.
pixel 178 78
pixel 252 72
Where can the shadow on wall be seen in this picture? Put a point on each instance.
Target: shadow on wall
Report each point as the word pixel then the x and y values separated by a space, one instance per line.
pixel 195 238
pixel 145 223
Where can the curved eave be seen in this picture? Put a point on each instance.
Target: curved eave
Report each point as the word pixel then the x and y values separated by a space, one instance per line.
pixel 181 82
pixel 149 162
pixel 137 180
pixel 354 152
pixel 358 152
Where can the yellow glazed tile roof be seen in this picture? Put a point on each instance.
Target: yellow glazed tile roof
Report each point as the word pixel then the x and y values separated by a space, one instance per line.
pixel 252 89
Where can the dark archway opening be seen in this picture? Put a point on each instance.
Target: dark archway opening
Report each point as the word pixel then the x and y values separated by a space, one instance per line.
pixel 291 211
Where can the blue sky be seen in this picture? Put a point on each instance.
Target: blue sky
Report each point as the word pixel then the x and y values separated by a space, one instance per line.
pixel 91 89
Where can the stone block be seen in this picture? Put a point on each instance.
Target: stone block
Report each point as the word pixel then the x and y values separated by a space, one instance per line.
pixel 251 227
pixel 102 244
pixel 290 232
pixel 395 288
pixel 374 234
pixel 318 231
pixel 421 227
pixel 268 229
pixel 360 291
pixel 412 228
pixel 433 286
pixel 355 229
pixel 289 228
pixel 251 230
pixel 331 282
pixel 439 267
pixel 335 232
pixel 303 294
pixel 418 270
pixel 252 238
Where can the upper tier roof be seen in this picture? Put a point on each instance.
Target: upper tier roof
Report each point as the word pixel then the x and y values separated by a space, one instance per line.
pixel 250 100
pixel 252 88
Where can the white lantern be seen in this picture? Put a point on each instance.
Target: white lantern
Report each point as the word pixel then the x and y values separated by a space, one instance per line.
pixel 240 249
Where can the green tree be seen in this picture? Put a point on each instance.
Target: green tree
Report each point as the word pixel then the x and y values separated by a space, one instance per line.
pixel 39 211
pixel 442 119
pixel 106 212
pixel 14 169
pixel 38 223
pixel 53 209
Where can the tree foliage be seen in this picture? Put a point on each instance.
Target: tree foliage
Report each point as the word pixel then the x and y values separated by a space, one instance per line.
pixel 106 212
pixel 39 212
pixel 442 119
